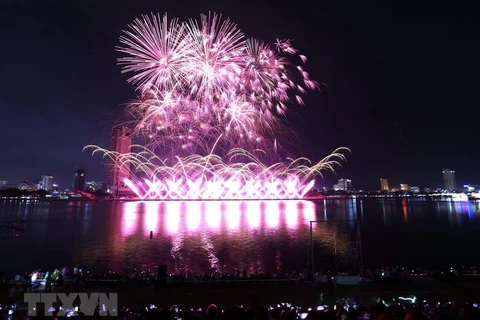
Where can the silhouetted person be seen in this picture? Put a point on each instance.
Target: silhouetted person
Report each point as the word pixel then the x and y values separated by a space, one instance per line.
pixel 60 280
pixel 330 279
pixel 212 312
pixel 48 282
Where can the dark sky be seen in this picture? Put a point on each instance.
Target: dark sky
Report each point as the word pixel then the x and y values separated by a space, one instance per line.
pixel 402 83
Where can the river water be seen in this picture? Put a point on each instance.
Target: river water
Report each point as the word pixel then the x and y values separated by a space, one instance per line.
pixel 228 235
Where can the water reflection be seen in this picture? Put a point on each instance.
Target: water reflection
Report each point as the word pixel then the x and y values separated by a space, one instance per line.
pixel 361 208
pixel 272 217
pixel 412 211
pixel 129 219
pixel 203 233
pixel 405 210
pixel 254 216
pixel 151 218
pixel 218 235
pixel 172 212
pixel 232 215
pixel 216 216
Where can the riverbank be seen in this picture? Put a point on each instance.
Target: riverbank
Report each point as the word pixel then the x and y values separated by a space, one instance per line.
pixel 460 197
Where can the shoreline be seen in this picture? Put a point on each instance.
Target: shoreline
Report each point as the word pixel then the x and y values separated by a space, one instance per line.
pixel 311 199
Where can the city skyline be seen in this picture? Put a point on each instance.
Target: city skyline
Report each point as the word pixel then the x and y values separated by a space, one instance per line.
pixel 121 139
pixel 382 135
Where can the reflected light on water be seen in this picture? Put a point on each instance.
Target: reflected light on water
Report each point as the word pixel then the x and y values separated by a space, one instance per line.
pixel 353 211
pixel 227 235
pixel 450 207
pixel 308 212
pixel 459 206
pixel 253 215
pixel 195 211
pixel 231 211
pixel 291 213
pixel 405 210
pixel 151 217
pixel 196 216
pixel 212 216
pixel 384 212
pixel 271 215
pixel 129 221
pixel 172 216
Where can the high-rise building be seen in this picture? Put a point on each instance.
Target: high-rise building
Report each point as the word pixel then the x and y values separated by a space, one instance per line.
pixel 404 187
pixel 384 184
pixel 39 184
pixel 121 142
pixel 343 185
pixel 47 182
pixel 449 179
pixel 79 180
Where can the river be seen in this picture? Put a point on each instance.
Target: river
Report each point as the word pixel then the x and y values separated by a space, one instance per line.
pixel 229 235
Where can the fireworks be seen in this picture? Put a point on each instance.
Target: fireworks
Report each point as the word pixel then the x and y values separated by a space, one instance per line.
pixel 210 101
pixel 203 85
pixel 212 177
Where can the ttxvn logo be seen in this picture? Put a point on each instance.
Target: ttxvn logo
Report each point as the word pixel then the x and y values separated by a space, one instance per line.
pixel 88 303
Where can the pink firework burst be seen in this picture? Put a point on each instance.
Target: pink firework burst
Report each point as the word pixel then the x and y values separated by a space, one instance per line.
pixel 202 81
pixel 206 90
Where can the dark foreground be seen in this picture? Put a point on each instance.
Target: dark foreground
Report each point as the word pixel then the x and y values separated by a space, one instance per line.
pixel 224 295
pixel 303 295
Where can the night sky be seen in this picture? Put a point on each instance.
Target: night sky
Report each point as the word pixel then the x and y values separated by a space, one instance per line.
pixel 402 83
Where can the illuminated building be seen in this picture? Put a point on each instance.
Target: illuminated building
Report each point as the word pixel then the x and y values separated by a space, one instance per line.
pixel 403 187
pixel 449 179
pixel 466 187
pixel 3 184
pixel 343 185
pixel 121 142
pixel 415 189
pixel 79 180
pixel 38 184
pixel 384 184
pixel 94 186
pixel 47 182
pixel 27 186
